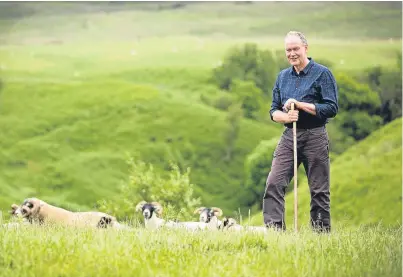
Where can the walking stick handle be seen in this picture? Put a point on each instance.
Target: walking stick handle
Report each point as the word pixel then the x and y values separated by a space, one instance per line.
pixel 294 127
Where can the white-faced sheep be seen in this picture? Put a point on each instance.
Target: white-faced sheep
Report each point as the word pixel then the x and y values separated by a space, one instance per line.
pixel 35 210
pixel 210 216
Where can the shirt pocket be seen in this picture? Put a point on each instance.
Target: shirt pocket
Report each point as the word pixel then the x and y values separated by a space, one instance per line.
pixel 312 94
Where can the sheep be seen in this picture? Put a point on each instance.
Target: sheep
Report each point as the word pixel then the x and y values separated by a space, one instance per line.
pixel 187 225
pixel 230 224
pixel 209 216
pixel 258 229
pixel 16 214
pixel 35 210
pixel 151 213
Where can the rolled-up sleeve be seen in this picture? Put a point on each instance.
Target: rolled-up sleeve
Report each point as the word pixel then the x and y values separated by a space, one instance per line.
pixel 328 106
pixel 276 102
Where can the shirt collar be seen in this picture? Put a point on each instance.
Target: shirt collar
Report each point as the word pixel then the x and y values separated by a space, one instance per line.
pixel 305 70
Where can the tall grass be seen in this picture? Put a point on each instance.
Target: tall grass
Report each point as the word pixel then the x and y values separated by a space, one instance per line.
pixel 50 251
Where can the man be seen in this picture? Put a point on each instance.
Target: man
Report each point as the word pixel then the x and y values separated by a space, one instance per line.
pixel 313 90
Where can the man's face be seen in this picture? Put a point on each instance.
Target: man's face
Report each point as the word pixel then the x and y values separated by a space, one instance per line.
pixel 295 50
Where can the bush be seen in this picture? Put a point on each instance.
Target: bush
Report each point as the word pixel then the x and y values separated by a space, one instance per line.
pixel 257 167
pixel 174 192
pixel 250 97
pixel 359 108
pixel 247 63
pixel 224 102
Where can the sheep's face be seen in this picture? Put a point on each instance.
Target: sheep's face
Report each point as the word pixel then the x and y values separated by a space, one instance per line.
pixel 31 207
pixel 228 222
pixel 16 210
pixel 149 209
pixel 206 214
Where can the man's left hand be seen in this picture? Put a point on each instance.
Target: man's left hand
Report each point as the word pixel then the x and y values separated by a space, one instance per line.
pixel 287 105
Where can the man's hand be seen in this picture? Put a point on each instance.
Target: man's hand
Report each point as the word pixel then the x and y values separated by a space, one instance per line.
pixel 293 116
pixel 287 105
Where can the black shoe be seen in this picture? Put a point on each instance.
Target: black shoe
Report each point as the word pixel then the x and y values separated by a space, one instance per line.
pixel 275 226
pixel 321 224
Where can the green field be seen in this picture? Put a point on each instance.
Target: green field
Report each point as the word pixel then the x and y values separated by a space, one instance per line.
pixel 50 251
pixel 85 86
pixel 83 90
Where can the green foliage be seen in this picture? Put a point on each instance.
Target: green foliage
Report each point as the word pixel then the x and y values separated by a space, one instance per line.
pixel 359 107
pixel 388 83
pixel 174 192
pixel 257 167
pixel 247 63
pixel 250 97
pixel 359 124
pixel 356 96
pixel 232 129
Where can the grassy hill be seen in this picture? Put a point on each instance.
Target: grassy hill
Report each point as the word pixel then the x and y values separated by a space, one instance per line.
pixel 83 88
pixel 366 183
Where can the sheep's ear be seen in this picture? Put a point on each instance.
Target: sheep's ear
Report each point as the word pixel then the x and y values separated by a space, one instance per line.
pixel 199 210
pixel 217 211
pixel 41 203
pixel 158 207
pixel 140 205
pixel 14 207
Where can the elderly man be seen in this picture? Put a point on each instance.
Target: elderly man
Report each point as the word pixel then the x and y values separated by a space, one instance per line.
pixel 312 87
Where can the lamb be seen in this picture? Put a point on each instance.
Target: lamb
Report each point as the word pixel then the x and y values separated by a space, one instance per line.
pixel 152 213
pixel 209 216
pixel 35 210
pixel 230 224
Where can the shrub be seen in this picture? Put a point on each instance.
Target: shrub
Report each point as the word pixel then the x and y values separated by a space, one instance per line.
pixel 174 192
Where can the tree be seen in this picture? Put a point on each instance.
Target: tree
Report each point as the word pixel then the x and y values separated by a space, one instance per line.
pixel 232 130
pixel 247 63
pixel 145 183
pixel 249 96
pixel 388 84
pixel 359 108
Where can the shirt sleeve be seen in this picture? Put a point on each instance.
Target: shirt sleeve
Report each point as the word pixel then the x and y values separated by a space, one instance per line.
pixel 328 106
pixel 276 102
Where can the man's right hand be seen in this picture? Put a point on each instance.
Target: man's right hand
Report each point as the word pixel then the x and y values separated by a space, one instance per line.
pixel 292 116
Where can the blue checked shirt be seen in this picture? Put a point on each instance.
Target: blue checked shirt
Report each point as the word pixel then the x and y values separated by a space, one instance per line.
pixel 316 85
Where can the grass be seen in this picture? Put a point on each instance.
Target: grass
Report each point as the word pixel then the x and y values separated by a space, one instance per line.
pixel 51 251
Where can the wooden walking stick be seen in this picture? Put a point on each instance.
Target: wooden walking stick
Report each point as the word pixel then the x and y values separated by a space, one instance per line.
pixel 294 129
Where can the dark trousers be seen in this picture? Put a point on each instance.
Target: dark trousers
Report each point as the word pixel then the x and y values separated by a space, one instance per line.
pixel 313 153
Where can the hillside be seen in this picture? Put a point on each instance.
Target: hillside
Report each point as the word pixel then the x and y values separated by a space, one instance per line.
pixel 83 88
pixel 366 183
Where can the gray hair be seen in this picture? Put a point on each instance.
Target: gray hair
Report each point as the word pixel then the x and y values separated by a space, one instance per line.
pixel 298 34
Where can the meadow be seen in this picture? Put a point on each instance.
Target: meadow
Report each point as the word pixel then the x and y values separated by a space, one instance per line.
pixel 51 251
pixel 84 87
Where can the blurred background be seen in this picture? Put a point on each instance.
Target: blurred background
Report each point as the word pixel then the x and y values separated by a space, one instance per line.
pixel 105 104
